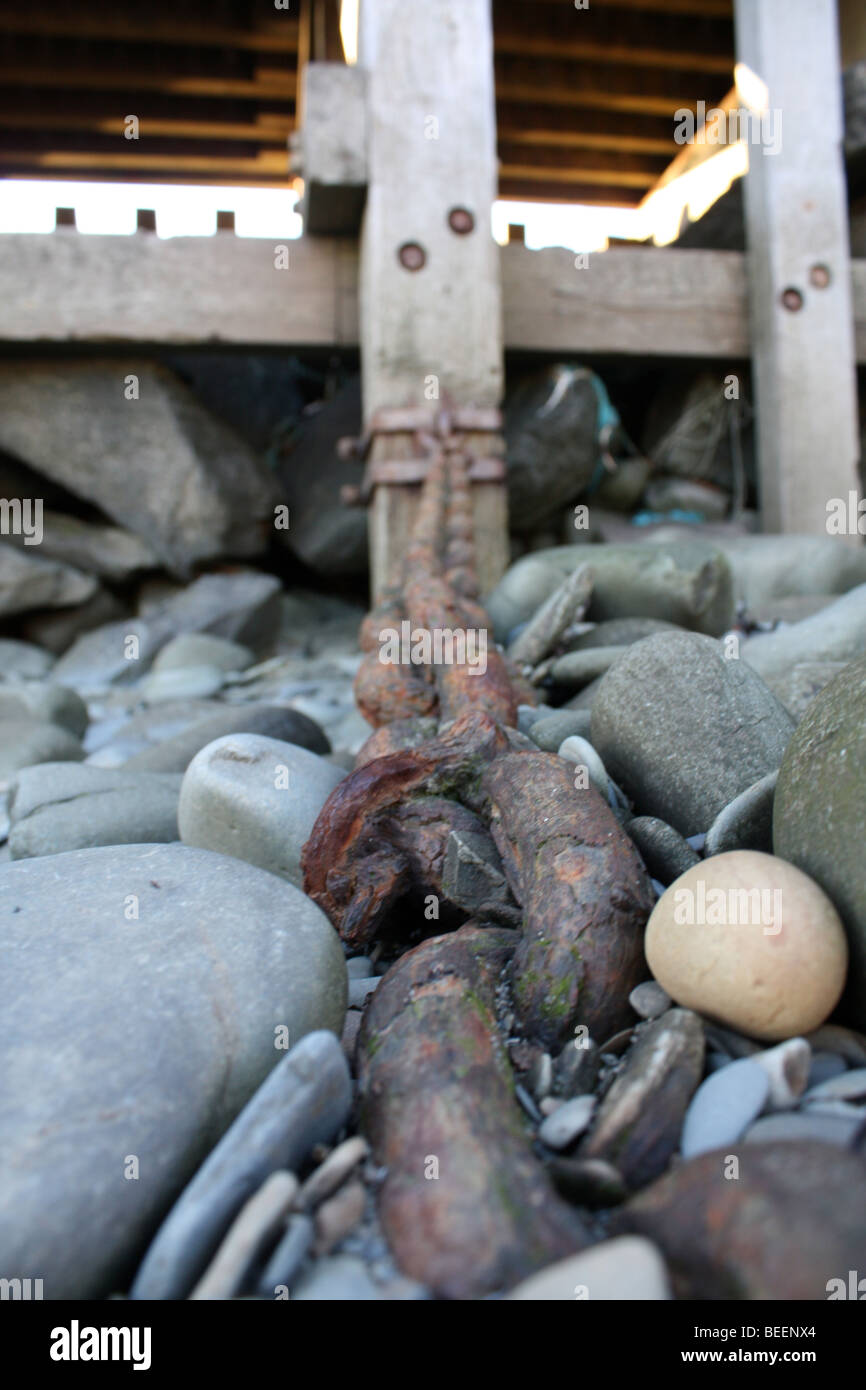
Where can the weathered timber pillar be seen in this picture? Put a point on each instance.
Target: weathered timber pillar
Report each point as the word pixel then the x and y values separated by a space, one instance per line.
pixel 798 259
pixel 431 319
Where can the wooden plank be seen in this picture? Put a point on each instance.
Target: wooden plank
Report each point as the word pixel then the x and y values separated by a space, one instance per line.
pixel 640 301
pixel 267 163
pixel 281 85
pixel 535 43
pixel 279 36
pixel 645 301
pixel 431 149
pixel 186 290
pixel 273 132
pixel 796 228
pixel 722 9
pixel 544 125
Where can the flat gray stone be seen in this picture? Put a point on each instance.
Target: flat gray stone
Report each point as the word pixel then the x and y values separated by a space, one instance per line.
pixel 550 731
pixel 724 1106
pixel 581 753
pixel 114 653
pixel 174 754
pixel 25 742
pixel 182 683
pixel 683 730
pixel 649 1000
pixel 304 1101
pixel 337 1279
pixel 138 1037
pixel 819 812
pixel 23 660
pixel 837 633
pixel 576 669
pixel 290 1253
pixel 767 567
pixel 256 798
pixel 56 807
pixel 851 1085
pixel 46 702
pixel 28 581
pixel 664 851
pixel 566 1124
pixel 746 822
pixel 686 582
pixel 810 1123
pixel 203 649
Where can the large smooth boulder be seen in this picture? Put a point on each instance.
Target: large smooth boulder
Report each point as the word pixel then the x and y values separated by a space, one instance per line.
pixel 685 582
pixel 175 754
pixel 819 811
pixel 145 991
pixel 770 567
pixel 552 443
pixel 157 463
pixel 683 729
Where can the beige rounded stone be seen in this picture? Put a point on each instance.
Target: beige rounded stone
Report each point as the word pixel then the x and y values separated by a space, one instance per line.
pixel 750 941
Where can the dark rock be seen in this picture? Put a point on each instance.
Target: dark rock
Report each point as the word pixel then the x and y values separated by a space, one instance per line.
pixel 637 1126
pixel 793 1220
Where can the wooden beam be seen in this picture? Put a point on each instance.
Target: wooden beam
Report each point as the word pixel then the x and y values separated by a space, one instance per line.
pixel 432 331
pixel 551 191
pixel 643 301
pixel 635 301
pixel 588 130
pixel 272 132
pixel 278 36
pixel 203 291
pixel 800 279
pixel 722 9
pixel 580 166
pixel 267 164
pixel 280 86
pixel 535 90
pixel 535 43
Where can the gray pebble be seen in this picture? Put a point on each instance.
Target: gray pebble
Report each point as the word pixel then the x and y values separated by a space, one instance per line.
pixel 338 1279
pixel 804 1124
pixel 664 851
pixel 288 1256
pixel 360 991
pixel 724 1106
pixel 649 1000
pixel 359 967
pixel 747 821
pixel 549 732
pixel 567 1123
pixel 305 1100
pixel 850 1085
pixel 249 1236
pixel 824 1066
pixel 578 751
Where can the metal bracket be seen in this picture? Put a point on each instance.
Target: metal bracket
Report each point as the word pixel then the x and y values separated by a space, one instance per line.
pixel 433 432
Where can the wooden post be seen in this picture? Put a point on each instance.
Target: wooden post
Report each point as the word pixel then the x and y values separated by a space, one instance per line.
pixel 431 320
pixel 799 271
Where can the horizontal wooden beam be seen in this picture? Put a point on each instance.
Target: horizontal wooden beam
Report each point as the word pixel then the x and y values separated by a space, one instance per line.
pixel 272 132
pixel 67 288
pixel 719 9
pixel 537 44
pixel 279 36
pixel 550 190
pixel 280 86
pixel 267 164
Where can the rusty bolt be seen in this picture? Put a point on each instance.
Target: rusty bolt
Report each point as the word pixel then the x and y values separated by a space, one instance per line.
pixel 792 299
pixel 819 276
pixel 411 255
pixel 461 221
